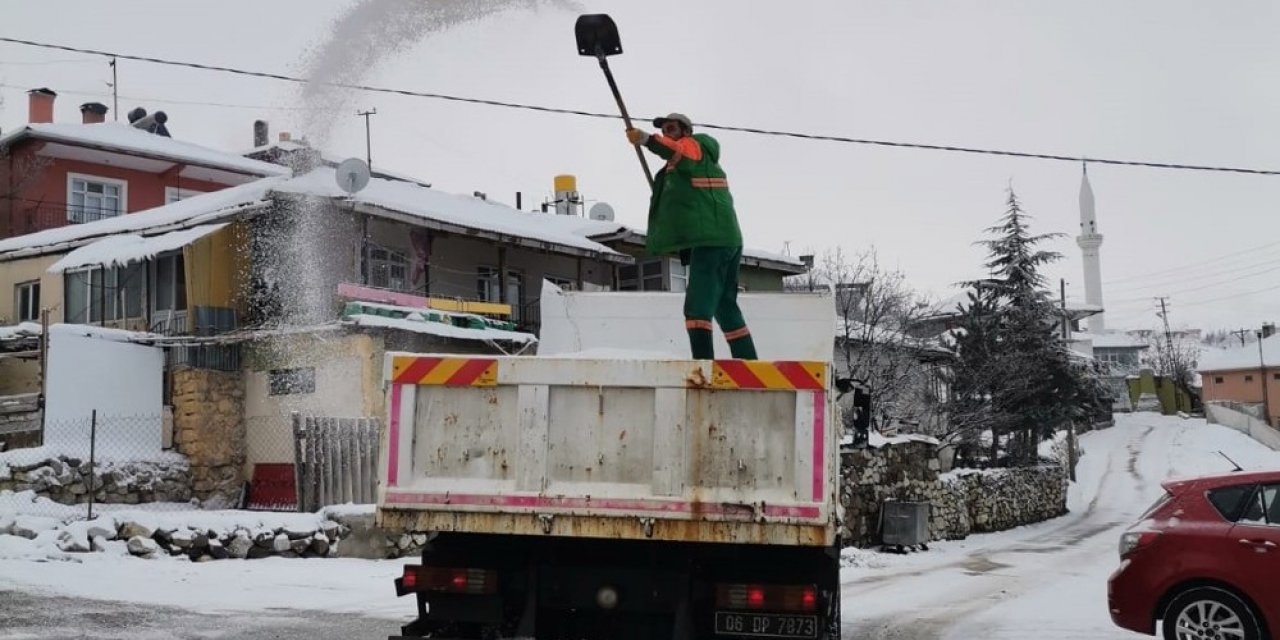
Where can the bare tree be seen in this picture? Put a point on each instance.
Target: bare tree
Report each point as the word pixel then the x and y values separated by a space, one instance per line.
pixel 876 307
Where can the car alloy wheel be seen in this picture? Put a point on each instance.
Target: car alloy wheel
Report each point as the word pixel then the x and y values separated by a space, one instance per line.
pixel 1208 613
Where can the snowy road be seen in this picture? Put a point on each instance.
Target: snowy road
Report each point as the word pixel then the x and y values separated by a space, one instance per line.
pixel 1046 581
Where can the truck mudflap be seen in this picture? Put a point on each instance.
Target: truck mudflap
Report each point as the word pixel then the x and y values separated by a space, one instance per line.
pixel 486 586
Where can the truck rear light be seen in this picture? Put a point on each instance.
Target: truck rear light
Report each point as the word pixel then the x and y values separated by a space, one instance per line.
pixel 447 580
pixel 771 597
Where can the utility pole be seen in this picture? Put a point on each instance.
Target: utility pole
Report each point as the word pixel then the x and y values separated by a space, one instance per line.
pixel 368 142
pixel 1262 373
pixel 115 91
pixel 1066 321
pixel 1240 332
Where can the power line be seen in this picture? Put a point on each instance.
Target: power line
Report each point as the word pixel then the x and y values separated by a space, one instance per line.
pixel 1184 267
pixel 1232 297
pixel 591 114
pixel 1269 267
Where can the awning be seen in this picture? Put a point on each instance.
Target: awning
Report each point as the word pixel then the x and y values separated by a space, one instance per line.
pixel 118 251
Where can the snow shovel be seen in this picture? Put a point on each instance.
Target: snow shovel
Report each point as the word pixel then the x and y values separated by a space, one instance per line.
pixel 597 36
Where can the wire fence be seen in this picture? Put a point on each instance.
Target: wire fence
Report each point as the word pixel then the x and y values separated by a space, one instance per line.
pixel 90 465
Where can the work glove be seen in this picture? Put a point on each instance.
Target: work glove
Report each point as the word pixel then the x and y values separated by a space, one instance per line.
pixel 637 136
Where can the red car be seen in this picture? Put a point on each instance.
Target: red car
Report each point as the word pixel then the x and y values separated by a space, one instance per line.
pixel 1204 560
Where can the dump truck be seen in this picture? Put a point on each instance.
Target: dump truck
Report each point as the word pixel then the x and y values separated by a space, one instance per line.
pixel 606 488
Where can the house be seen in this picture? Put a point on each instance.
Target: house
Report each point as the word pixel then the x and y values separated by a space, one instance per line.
pixel 55 174
pixel 1247 376
pixel 283 294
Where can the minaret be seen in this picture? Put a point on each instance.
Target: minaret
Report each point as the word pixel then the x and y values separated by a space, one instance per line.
pixel 1090 242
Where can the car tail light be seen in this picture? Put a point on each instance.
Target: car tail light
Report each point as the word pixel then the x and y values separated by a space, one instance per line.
pixel 1132 541
pixel 771 597
pixel 447 580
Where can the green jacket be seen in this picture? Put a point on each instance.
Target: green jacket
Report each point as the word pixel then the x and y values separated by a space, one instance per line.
pixel 691 204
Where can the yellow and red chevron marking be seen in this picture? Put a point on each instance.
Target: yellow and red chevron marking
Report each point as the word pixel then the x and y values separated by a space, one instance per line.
pixel 765 374
pixel 452 372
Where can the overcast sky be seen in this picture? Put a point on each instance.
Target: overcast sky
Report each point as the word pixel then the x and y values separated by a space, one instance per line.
pixel 1178 81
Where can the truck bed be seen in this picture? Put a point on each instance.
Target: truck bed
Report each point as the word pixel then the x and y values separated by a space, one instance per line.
pixel 643 449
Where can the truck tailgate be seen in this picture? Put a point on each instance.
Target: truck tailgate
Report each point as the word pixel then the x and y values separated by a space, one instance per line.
pixel 683 450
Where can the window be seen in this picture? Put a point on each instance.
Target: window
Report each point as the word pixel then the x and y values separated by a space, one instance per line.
pixel 1248 378
pixel 1230 501
pixel 487 288
pixel 645 275
pixel 174 194
pixel 388 269
pixel 27 302
pixel 92 198
pixel 567 283
pixel 88 293
pixel 170 290
pixel 1217 379
pixel 285 382
pixel 1276 376
pixel 1271 500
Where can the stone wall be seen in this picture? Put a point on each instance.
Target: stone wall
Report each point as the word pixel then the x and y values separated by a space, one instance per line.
pixel 963 501
pixel 68 480
pixel 209 428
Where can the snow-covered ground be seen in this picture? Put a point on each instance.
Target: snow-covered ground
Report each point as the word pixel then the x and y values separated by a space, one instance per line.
pixel 1046 581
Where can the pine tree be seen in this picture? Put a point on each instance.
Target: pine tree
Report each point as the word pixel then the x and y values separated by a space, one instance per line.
pixel 1014 372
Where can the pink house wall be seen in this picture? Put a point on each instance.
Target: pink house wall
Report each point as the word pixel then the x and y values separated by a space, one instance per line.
pixel 1244 385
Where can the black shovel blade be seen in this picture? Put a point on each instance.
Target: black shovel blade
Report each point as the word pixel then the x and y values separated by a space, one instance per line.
pixel 597 35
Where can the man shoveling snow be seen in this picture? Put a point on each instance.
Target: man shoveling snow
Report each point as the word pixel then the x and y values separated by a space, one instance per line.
pixel 691 214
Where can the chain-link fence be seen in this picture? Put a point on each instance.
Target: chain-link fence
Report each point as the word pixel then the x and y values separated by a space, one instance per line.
pixel 94 464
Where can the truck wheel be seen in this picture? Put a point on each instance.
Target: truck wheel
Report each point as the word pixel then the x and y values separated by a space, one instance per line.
pixel 1210 612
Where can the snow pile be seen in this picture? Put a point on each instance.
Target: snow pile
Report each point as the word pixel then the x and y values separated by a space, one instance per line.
pixel 877 440
pixel 20 331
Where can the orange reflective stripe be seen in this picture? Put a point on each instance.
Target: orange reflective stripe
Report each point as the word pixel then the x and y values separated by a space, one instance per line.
pixel 697 324
pixel 710 183
pixel 737 333
pixel 687 146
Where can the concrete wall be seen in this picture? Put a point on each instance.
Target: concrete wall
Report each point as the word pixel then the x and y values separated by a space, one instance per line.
pixel 85 374
pixel 1243 386
pixel 1232 415
pixel 347 385
pixel 963 501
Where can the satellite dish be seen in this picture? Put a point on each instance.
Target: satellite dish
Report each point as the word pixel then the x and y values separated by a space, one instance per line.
pixel 352 175
pixel 601 211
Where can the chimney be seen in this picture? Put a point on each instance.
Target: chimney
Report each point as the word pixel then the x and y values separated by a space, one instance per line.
pixel 41 105
pixel 259 133
pixel 1268 330
pixel 93 112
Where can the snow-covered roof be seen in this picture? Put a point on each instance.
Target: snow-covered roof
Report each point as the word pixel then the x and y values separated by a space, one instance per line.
pixel 1246 357
pixel 124 138
pixel 118 251
pixel 206 207
pixel 428 204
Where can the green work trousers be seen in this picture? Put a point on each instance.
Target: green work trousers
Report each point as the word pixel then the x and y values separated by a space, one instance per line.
pixel 712 293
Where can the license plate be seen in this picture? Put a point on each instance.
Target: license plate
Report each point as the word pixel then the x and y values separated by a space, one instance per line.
pixel 766 625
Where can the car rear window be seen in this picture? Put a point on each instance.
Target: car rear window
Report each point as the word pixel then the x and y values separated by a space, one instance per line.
pixel 1230 501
